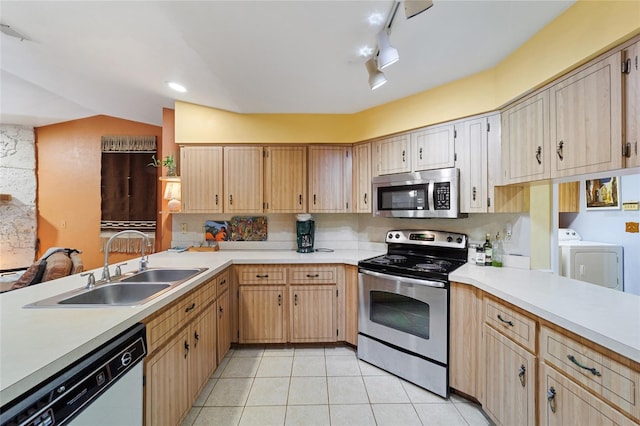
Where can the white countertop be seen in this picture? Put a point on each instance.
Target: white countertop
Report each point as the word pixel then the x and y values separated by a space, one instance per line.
pixel 37 343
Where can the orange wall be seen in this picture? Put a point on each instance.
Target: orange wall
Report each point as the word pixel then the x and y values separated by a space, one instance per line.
pixel 68 170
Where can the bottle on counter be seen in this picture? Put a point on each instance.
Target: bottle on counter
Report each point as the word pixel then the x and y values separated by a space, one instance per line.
pixel 488 250
pixel 479 255
pixel 498 252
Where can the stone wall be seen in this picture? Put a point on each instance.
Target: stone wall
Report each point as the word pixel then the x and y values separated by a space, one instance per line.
pixel 18 217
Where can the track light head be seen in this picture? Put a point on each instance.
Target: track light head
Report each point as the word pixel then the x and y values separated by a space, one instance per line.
pixel 415 7
pixel 387 54
pixel 376 77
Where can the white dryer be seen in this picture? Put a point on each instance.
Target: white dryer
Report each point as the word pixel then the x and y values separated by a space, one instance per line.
pixel 593 262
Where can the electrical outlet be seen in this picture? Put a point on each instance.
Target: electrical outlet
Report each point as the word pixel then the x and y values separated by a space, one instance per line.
pixel 63 225
pixel 184 228
pixel 632 227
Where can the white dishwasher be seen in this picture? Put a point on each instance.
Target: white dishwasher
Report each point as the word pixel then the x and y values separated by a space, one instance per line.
pixel 102 388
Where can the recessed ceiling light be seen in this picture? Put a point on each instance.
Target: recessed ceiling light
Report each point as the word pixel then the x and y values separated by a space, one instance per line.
pixel 177 87
pixel 365 51
pixel 375 19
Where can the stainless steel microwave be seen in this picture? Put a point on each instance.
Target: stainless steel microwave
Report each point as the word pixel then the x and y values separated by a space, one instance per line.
pixel 427 194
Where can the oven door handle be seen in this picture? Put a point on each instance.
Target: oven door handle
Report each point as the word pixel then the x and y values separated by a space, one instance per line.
pixel 427 283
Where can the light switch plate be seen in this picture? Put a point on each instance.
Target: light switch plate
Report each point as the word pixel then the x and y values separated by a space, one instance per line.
pixel 630 205
pixel 183 228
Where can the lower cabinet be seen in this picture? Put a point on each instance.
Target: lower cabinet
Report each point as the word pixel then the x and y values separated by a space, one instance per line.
pixel 313 313
pixel 201 350
pixel 261 313
pixel 509 393
pixel 224 325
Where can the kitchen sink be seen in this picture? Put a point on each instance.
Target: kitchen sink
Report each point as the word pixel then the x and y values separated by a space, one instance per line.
pixel 160 275
pixel 116 294
pixel 130 289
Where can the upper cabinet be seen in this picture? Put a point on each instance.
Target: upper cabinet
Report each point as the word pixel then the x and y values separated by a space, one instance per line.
pixel 433 147
pixel 632 104
pixel 586 119
pixel 285 179
pixel 392 155
pixel 201 179
pixel 243 179
pixel 329 179
pixel 525 139
pixel 362 178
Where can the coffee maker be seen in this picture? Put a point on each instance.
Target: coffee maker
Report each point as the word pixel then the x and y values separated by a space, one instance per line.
pixel 305 230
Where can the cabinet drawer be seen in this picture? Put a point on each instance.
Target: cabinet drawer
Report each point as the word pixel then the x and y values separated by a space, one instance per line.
pixel 615 382
pixel 248 275
pixel 518 327
pixel 313 275
pixel 161 327
pixel 222 282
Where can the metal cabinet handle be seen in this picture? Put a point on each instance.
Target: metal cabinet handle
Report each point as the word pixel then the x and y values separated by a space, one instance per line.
pixel 223 282
pixel 474 191
pixel 314 199
pixel 196 336
pixel 262 275
pixel 591 369
pixel 420 153
pixel 216 199
pixel 230 199
pixel 365 198
pixel 551 398
pixel 186 348
pixel 295 300
pixel 559 150
pixel 403 155
pixel 221 309
pixel 313 275
pixel 505 321
pixel 280 300
pixel 521 375
pixel 190 307
pixel 300 199
pixel 539 154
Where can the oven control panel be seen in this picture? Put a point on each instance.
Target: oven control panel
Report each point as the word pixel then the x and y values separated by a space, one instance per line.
pixel 423 237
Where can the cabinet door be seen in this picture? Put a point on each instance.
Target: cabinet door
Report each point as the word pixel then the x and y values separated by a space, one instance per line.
pixel 632 105
pixel 224 325
pixel 525 140
pixel 285 179
pixel 471 149
pixel 586 120
pixel 329 179
pixel 201 180
pixel 243 179
pixel 202 351
pixel 166 383
pixel 393 155
pixel 313 313
pixel 362 178
pixel 564 403
pixel 433 147
pixel 509 380
pixel 262 314
pixel 464 338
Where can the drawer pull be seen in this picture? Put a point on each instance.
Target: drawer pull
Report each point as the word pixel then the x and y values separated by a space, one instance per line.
pixel 592 369
pixel 551 398
pixel 313 275
pixel 196 336
pixel 505 321
pixel 186 348
pixel 190 307
pixel 295 299
pixel 262 276
pixel 539 155
pixel 279 300
pixel 223 282
pixel 521 373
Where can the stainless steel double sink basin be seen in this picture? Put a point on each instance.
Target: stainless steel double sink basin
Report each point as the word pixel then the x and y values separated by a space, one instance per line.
pixel 130 289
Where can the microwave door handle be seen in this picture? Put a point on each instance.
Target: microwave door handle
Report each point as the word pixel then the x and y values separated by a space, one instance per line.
pixel 430 201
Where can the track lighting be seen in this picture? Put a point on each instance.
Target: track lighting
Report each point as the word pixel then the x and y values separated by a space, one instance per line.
pixel 415 7
pixel 387 54
pixel 376 77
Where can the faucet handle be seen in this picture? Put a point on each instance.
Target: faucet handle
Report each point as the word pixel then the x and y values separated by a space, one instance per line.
pixel 119 269
pixel 91 280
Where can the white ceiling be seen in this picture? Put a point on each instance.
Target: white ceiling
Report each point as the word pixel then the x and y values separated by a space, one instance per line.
pixel 115 58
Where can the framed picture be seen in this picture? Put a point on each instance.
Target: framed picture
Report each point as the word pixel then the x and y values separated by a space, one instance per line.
pixel 603 193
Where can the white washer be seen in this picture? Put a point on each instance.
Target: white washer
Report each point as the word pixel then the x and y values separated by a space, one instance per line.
pixel 593 262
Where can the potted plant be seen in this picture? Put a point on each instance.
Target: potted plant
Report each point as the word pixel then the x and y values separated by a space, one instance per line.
pixel 168 162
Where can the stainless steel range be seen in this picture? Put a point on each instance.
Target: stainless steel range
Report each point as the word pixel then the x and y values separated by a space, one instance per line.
pixel 403 315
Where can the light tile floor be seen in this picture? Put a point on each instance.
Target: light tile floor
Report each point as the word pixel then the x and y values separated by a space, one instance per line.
pixel 319 386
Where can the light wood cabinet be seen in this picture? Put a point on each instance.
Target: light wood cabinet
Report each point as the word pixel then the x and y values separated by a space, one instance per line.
pixel 201 180
pixel 262 314
pixel 285 179
pixel 525 139
pixel 224 325
pixel 564 403
pixel 329 179
pixel 464 339
pixel 201 355
pixel 569 197
pixel 312 313
pixel 586 119
pixel 392 154
pixel 632 105
pixel 509 380
pixel 351 305
pixel 362 178
pixel 243 179
pixel 515 325
pixel 433 147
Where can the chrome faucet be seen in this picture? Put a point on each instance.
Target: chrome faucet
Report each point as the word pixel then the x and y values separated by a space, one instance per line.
pixel 143 260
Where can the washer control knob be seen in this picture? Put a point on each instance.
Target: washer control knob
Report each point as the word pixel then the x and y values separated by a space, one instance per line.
pixel 459 240
pixel 390 235
pixel 449 238
pixel 397 235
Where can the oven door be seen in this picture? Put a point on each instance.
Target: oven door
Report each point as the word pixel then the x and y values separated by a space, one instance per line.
pixel 411 314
